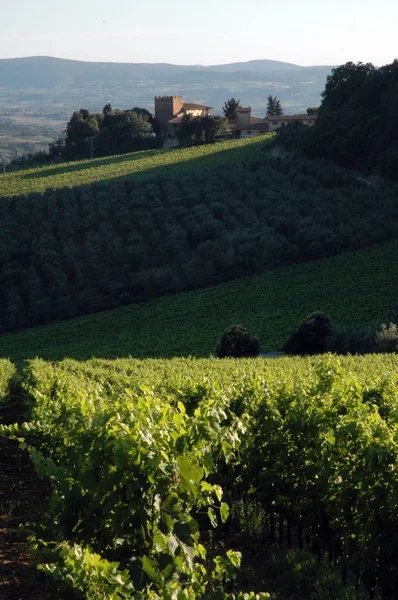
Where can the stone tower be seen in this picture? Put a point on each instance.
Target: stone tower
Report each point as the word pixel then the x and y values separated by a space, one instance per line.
pixel 243 116
pixel 166 108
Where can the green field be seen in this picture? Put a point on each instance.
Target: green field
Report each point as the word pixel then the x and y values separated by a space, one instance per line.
pixel 140 165
pixel 357 287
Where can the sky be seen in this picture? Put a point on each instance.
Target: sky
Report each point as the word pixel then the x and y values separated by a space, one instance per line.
pixel 306 32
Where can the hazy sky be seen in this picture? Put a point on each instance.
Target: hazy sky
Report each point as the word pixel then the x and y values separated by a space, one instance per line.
pixel 189 32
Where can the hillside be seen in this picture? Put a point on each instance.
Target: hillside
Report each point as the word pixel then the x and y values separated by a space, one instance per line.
pixel 49 72
pixel 156 223
pixel 357 287
pixel 19 137
pixel 138 165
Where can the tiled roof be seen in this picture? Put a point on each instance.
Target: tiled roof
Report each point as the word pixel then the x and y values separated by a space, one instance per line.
pixel 176 120
pixel 256 120
pixel 255 123
pixel 292 118
pixel 193 106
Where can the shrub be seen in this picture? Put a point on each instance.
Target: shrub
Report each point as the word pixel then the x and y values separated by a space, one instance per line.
pixel 310 337
pixel 351 340
pixel 386 338
pixel 362 340
pixel 236 342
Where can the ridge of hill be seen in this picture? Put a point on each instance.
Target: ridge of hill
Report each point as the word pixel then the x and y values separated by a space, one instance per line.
pixel 37 71
pixel 355 287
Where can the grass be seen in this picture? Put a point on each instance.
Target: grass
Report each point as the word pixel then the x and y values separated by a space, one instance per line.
pixel 356 287
pixel 140 165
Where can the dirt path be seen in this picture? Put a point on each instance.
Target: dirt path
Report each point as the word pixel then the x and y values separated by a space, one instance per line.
pixel 22 500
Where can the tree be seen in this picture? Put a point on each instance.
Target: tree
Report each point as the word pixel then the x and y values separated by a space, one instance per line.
pixel 109 132
pixel 145 115
pixel 107 110
pixel 213 127
pixel 312 110
pixel 236 342
pixel 311 336
pixel 229 108
pixel 274 107
pixel 201 129
pixel 56 149
pixel 186 131
pixel 81 127
pixel 122 131
pixel 356 125
pixel 386 338
pixel 343 83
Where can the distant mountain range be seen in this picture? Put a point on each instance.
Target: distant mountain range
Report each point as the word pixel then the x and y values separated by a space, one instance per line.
pixel 51 85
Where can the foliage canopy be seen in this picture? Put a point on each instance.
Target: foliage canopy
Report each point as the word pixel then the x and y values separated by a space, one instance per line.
pixel 357 121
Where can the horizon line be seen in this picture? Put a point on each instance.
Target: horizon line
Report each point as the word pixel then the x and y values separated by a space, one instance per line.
pixel 122 62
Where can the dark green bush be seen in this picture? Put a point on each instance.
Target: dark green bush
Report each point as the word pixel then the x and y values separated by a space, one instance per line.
pixel 386 338
pixel 363 340
pixel 351 340
pixel 311 336
pixel 236 342
pixel 316 335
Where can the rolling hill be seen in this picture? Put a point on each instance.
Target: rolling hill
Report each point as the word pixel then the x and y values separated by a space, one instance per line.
pixel 44 72
pixel 95 235
pixel 42 90
pixel 89 236
pixel 357 287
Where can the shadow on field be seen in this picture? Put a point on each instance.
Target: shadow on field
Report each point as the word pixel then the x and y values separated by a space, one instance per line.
pixel 182 165
pixel 84 165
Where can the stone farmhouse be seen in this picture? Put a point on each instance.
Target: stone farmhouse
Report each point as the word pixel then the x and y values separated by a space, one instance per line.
pixel 170 111
pixel 276 122
pixel 245 124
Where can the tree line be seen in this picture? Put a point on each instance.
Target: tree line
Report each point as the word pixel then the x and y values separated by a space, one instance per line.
pixel 74 251
pixel 274 107
pixel 115 131
pixel 316 335
pixel 104 134
pixel 357 124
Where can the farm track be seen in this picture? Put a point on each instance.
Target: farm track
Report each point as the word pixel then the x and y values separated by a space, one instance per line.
pixel 22 500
